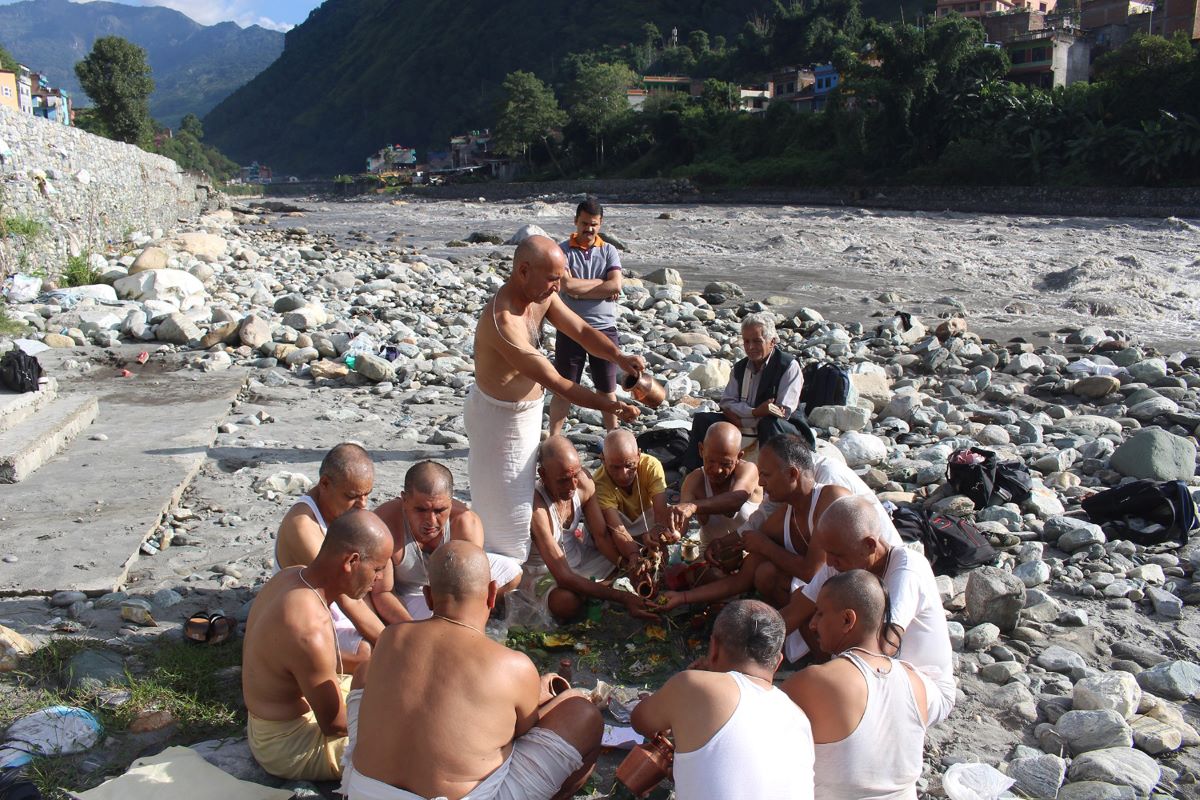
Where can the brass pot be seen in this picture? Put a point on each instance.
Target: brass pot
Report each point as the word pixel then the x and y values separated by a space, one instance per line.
pixel 647 765
pixel 644 388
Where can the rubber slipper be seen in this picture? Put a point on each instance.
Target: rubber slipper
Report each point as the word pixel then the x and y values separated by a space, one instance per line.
pixel 221 629
pixel 198 628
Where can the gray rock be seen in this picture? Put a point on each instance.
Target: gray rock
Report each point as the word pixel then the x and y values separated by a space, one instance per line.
pixel 1038 776
pixel 525 231
pixel 1095 790
pixel 1154 736
pixel 91 669
pixel 64 599
pixel 994 596
pixel 1083 535
pixel 981 637
pixel 1089 425
pixel 1175 680
pixel 1118 691
pixel 289 302
pixel 1156 454
pixel 1056 658
pixel 1148 371
pixel 1032 573
pixel 1094 730
pixel 845 418
pixel 374 368
pixel 1165 603
pixel 1120 766
pixel 1001 672
pixel 1013 699
pixel 165 598
pixel 177 329
pixel 233 756
pixel 664 276
pixel 254 332
pixel 1149 410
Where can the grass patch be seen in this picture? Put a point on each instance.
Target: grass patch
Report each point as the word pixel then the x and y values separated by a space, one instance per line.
pixel 79 272
pixel 26 227
pixel 8 325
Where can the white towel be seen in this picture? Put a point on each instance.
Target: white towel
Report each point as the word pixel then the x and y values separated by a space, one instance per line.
pixel 501 466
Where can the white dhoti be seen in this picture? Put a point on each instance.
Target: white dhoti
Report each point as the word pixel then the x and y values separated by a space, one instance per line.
pixel 501 466
pixel 540 763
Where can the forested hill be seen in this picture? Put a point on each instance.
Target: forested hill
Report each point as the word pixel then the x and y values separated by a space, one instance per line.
pixel 195 66
pixel 359 74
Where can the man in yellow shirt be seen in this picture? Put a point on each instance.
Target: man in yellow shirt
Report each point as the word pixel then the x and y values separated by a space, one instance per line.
pixel 631 487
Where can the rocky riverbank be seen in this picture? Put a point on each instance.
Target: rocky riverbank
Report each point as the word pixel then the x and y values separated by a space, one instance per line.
pixel 1078 653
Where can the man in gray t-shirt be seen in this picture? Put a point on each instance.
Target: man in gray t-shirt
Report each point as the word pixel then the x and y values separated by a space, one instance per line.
pixel 590 290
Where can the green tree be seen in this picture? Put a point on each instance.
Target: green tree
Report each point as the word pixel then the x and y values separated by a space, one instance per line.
pixel 528 114
pixel 7 61
pixel 718 96
pixel 598 101
pixel 698 42
pixel 190 124
pixel 116 77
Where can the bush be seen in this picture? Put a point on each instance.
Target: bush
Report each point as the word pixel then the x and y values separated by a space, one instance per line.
pixel 26 227
pixel 79 272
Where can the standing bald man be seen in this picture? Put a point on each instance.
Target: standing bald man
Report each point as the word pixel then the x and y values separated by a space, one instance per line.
pixel 503 412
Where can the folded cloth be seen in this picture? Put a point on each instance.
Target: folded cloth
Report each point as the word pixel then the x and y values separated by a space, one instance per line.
pixel 538 766
pixel 501 467
pixel 297 749
pixel 181 774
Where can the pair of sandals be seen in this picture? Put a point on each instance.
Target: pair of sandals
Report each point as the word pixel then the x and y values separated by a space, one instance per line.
pixel 209 628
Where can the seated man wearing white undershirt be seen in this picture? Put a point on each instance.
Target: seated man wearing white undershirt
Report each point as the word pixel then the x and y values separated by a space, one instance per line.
pixel 736 735
pixel 849 535
pixel 725 493
pixel 868 711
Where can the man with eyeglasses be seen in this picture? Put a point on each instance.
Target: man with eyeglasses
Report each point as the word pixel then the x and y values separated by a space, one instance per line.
pixel 763 395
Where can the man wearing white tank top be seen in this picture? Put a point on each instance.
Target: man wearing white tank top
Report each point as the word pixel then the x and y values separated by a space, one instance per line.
pixel 849 536
pixel 868 710
pixel 737 737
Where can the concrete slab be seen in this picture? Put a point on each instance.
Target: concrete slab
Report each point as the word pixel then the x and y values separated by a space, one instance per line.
pixel 78 522
pixel 37 439
pixel 17 407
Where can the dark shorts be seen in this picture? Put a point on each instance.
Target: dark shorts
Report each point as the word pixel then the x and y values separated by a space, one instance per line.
pixel 569 356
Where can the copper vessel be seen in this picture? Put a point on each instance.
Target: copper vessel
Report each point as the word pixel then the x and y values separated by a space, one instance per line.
pixel 647 765
pixel 726 553
pixel 553 685
pixel 644 388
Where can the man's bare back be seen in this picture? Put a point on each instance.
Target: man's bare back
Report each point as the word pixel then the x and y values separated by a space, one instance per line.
pixel 499 332
pixel 463 700
pixel 296 631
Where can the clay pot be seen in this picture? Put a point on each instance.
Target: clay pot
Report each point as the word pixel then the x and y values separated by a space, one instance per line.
pixel 553 685
pixel 644 389
pixel 647 765
pixel 645 588
pixel 726 553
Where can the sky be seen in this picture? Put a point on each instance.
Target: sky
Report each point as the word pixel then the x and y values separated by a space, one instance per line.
pixel 277 15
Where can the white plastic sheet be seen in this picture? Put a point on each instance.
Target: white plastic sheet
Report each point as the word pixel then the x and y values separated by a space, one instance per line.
pixel 58 730
pixel 976 782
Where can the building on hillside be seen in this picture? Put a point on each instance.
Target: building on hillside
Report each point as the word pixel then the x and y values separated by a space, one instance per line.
pixel 672 84
pixel 1111 23
pixel 1049 57
pixel 1178 15
pixel 16 90
pixel 636 98
pixel 256 173
pixel 8 90
pixel 1005 27
pixel 755 99
pixel 793 85
pixel 977 9
pixel 49 102
pixel 470 149
pixel 392 159
pixel 439 159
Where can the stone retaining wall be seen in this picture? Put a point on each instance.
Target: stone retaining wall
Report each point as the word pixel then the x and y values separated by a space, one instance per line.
pixel 84 190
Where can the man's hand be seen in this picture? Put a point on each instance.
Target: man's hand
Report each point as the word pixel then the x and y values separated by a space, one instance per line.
pixel 681 514
pixel 668 601
pixel 767 408
pixel 635 365
pixel 637 607
pixel 756 542
pixel 626 412
pixel 663 535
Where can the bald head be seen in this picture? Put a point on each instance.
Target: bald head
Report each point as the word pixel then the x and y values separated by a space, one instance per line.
pixel 557 452
pixel 723 436
pixel 849 521
pixel 347 461
pixel 360 532
pixel 858 591
pixel 621 443
pixel 459 571
pixel 429 477
pixel 538 252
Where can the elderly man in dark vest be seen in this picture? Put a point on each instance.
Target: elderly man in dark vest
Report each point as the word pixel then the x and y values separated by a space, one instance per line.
pixel 763 395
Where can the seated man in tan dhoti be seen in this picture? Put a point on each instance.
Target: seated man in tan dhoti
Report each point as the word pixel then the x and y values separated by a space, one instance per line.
pixel 571 539
pixel 447 712
pixel 423 518
pixel 293 677
pixel 632 489
pixel 725 493
pixel 347 477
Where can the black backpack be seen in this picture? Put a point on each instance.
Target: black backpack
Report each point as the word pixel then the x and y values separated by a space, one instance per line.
pixel 1168 503
pixel 824 385
pixel 666 444
pixel 19 371
pixel 989 482
pixel 952 544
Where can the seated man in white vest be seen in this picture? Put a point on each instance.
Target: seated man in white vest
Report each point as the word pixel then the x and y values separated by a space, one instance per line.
pixel 849 534
pixel 868 711
pixel 423 518
pixel 571 538
pixel 763 395
pixel 735 734
pixel 725 493
pixel 344 483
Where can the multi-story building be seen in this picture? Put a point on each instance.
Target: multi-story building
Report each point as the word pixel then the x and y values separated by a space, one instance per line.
pixel 1049 57
pixel 48 102
pixel 976 9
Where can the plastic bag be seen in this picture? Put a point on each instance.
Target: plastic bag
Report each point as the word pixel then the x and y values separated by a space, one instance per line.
pixel 22 288
pixel 361 344
pixel 975 782
pixel 58 730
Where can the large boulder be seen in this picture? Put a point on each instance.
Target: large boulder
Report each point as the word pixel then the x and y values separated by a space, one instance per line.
pixel 995 596
pixel 664 275
pixel 873 387
pixel 845 418
pixel 524 232
pixel 254 331
pixel 1038 776
pixel 180 289
pixel 177 329
pixel 1094 730
pixel 374 368
pixel 150 258
pixel 203 245
pixel 1156 454
pixel 1122 766
pixel 1117 691
pixel 1175 680
pixel 862 449
pixel 712 374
